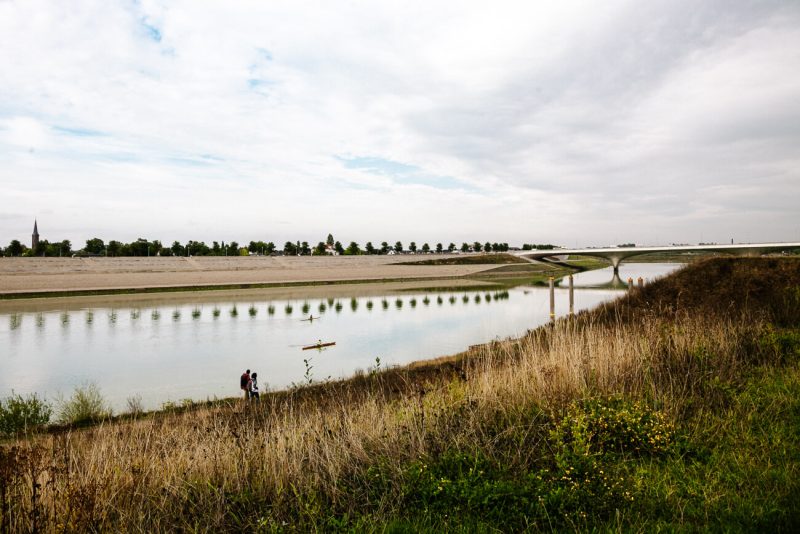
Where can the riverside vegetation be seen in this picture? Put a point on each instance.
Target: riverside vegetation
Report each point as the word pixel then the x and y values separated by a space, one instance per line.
pixel 676 407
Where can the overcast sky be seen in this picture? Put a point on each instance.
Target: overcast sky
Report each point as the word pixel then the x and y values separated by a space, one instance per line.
pixel 565 122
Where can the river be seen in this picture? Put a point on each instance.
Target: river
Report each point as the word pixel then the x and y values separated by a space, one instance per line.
pixel 168 349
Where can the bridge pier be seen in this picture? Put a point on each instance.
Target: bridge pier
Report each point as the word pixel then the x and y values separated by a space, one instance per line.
pixel 615 261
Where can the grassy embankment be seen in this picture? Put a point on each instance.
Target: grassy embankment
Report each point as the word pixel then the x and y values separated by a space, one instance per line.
pixel 677 407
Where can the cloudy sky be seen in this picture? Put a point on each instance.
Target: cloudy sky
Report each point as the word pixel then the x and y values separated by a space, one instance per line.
pixel 532 121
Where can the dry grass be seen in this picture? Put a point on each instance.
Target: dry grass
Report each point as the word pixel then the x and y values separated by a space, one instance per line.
pixel 302 450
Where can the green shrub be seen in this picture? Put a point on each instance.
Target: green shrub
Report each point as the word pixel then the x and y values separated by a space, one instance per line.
pixel 86 405
pixel 782 344
pixel 614 425
pixel 19 414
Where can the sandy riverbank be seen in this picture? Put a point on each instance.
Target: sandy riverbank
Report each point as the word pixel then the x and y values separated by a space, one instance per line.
pixel 23 275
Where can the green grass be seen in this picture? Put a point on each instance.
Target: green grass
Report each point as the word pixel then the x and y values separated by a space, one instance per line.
pixel 480 259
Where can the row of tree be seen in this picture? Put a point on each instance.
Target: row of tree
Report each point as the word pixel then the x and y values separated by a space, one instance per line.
pixel 145 247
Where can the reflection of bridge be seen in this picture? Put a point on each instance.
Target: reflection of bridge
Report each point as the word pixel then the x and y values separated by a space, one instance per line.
pixel 617 254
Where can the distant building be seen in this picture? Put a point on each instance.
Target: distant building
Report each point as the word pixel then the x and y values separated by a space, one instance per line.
pixel 35 236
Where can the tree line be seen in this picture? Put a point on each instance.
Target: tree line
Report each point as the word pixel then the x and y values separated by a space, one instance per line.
pixel 144 247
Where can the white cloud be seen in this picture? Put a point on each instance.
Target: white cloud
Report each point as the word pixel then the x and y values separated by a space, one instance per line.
pixel 570 123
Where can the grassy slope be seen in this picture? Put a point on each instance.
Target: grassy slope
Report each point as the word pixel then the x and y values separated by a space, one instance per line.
pixel 674 409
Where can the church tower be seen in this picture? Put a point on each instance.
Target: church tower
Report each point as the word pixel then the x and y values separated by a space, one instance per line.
pixel 35 236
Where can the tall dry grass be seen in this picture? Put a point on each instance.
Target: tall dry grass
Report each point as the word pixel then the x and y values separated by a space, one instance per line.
pixel 147 474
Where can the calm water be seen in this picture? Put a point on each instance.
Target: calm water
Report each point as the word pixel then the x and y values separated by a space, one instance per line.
pixel 174 351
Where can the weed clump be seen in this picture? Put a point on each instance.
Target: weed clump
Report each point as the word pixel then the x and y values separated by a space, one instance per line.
pixel 19 414
pixel 86 405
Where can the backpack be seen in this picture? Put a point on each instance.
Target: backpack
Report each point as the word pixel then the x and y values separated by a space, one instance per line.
pixel 244 380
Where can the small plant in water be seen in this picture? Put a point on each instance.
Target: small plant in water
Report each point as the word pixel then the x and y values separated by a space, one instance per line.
pixel 252 310
pixel 308 376
pixel 64 319
pixel 215 312
pixel 385 304
pixel 413 303
pixel 369 305
pixel 452 299
pixel 353 304
pixel 487 297
pixel 305 308
pixel 426 300
pixel 176 315
pixel 135 314
pixel 234 311
pixel 338 306
pixel 288 309
pixel 322 307
pixel 271 309
pixel 39 320
pixel 465 299
pixel 196 313
pixel 112 317
pixel 330 302
pixel 477 299
pixel 89 317
pixel 155 315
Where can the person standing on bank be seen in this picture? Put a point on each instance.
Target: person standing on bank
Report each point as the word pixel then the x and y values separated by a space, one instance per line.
pixel 254 386
pixel 244 384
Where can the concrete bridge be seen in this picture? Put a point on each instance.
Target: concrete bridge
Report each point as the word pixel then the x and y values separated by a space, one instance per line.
pixel 615 255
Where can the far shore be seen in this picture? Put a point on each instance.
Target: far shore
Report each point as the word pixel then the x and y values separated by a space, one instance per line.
pixel 281 277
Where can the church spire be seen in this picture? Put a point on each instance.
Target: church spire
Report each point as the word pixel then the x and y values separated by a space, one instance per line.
pixel 35 236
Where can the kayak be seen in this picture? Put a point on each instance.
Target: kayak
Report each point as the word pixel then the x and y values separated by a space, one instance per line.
pixel 319 345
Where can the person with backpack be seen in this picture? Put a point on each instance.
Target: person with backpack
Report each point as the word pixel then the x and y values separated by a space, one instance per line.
pixel 244 384
pixel 254 386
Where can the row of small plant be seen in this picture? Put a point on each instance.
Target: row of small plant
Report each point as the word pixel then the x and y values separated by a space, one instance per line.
pixel 15 320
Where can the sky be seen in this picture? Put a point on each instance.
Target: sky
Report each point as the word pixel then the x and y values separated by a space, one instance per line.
pixel 575 123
